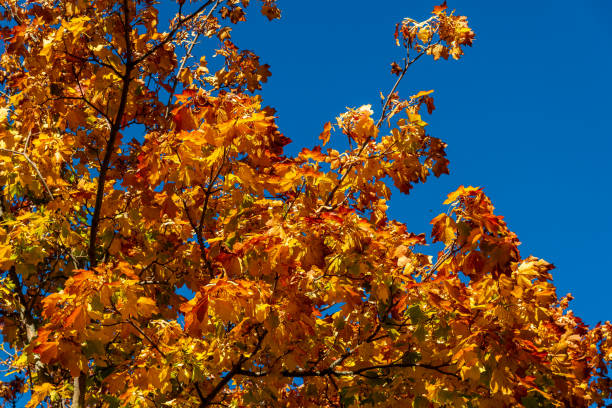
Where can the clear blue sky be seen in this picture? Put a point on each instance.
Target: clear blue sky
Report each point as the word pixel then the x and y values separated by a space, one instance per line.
pixel 526 113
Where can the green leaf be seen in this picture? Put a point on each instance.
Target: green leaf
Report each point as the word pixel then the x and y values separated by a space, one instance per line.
pixel 197 374
pixel 416 314
pixel 113 402
pixel 348 395
pixel 411 357
pixel 441 332
pixel 419 333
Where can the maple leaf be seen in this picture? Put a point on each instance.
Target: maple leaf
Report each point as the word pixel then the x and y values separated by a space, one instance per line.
pixel 39 394
pixel 47 351
pixel 146 306
pixel 440 8
pixel 324 136
pixel 77 319
pixel 395 68
pixel 272 12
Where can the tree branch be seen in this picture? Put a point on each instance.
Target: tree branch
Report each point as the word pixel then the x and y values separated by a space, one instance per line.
pixel 155 346
pixel 38 173
pixel 236 369
pixel 170 36
pixel 24 313
pixel 78 396
pixel 388 97
pixel 184 60
pixel 331 194
pixel 116 125
pixel 347 373
pixel 448 252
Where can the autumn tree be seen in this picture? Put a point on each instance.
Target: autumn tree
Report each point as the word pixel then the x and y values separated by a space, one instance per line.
pixel 158 248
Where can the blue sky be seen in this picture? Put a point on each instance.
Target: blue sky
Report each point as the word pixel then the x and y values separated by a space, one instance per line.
pixel 526 113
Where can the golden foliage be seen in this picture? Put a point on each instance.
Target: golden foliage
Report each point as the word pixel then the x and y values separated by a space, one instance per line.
pixel 198 265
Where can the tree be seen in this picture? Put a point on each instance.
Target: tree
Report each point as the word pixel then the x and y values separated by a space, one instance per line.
pixel 158 248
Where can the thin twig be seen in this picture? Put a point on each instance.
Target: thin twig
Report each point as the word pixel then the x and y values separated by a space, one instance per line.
pixel 449 251
pixel 147 338
pixel 170 36
pixel 237 368
pixel 348 373
pixel 184 60
pixel 297 195
pixel 38 173
pixel 365 143
pixel 390 94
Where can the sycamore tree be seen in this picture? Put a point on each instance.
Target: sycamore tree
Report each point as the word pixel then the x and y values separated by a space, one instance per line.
pixel 157 248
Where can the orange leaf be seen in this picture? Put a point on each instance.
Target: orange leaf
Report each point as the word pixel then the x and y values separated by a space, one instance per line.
pixel 440 8
pixel 444 228
pixel 47 351
pixel 146 306
pixel 184 119
pixel 77 319
pixel 423 93
pixel 452 197
pixel 185 95
pixel 314 154
pixel 270 12
pixel 324 136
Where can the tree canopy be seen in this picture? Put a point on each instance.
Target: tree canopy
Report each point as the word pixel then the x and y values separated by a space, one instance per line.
pixel 158 248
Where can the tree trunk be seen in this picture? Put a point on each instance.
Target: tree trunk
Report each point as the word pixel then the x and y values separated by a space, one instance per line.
pixel 78 395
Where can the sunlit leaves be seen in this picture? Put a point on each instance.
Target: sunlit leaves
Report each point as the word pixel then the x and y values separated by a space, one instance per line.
pixel 218 269
pixel 324 136
pixel 441 36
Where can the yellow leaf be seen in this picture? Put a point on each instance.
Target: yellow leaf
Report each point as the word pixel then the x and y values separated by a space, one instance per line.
pixel 261 312
pixel 444 228
pixel 470 373
pixel 416 119
pixel 39 394
pixel 224 33
pixel 499 382
pixel 46 48
pixel 76 25
pixel 146 306
pixel 424 34
pixel 423 93
pixel 382 292
pixel 6 256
